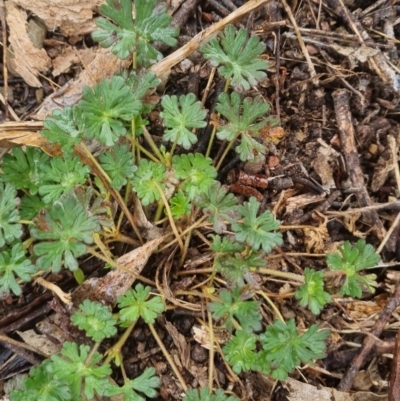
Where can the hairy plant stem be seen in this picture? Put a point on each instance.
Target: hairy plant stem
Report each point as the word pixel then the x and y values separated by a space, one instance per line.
pixel 227 149
pixel 91 353
pixel 212 137
pixel 169 213
pixel 115 351
pixel 82 148
pixel 147 153
pixel 152 144
pixel 168 356
pixel 211 354
pixel 160 206
pixel 128 190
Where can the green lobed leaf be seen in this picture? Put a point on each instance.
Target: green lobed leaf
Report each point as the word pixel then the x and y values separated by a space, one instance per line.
pixel 10 229
pixel 219 205
pixel 24 169
pixel 64 127
pixel 284 348
pixel 242 122
pixel 95 319
pixel 144 178
pixel 104 106
pixel 311 294
pixel 240 351
pixel 179 115
pixel 118 164
pixel 146 383
pixel 64 231
pixel 30 206
pixel 237 267
pixel 232 305
pixel 42 386
pixel 255 230
pixel 225 245
pixel 350 261
pixel 196 171
pixel 62 175
pixel 237 57
pixel 180 205
pixel 126 35
pixel 83 376
pixel 135 304
pixel 13 264
pixel 241 115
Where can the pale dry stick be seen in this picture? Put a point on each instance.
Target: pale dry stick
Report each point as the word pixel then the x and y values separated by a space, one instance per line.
pixel 64 297
pixel 168 62
pixel 350 20
pixel 8 340
pixel 5 69
pixel 389 233
pixel 9 108
pixel 378 206
pixel 319 14
pixel 208 87
pixel 311 68
pixel 394 149
pixel 371 8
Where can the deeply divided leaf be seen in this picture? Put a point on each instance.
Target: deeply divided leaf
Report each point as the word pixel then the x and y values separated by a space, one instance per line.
pixel 126 35
pixel 238 57
pixel 64 232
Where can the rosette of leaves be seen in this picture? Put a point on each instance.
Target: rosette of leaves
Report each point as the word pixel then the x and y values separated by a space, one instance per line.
pixel 240 351
pixel 83 375
pixel 179 115
pixel 219 205
pixel 24 169
pixel 137 303
pixel 284 348
pixel 232 305
pixel 143 182
pixel 62 175
pixel 41 385
pixel 125 35
pixel 196 172
pixel 350 261
pixel 244 119
pixel 95 319
pixel 64 127
pixel 64 231
pixel 10 229
pixel 105 108
pixel 255 231
pixel 118 164
pixel 311 293
pixel 13 264
pixel 237 56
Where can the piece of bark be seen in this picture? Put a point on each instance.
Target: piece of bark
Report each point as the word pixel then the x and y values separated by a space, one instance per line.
pixel 27 61
pixel 347 139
